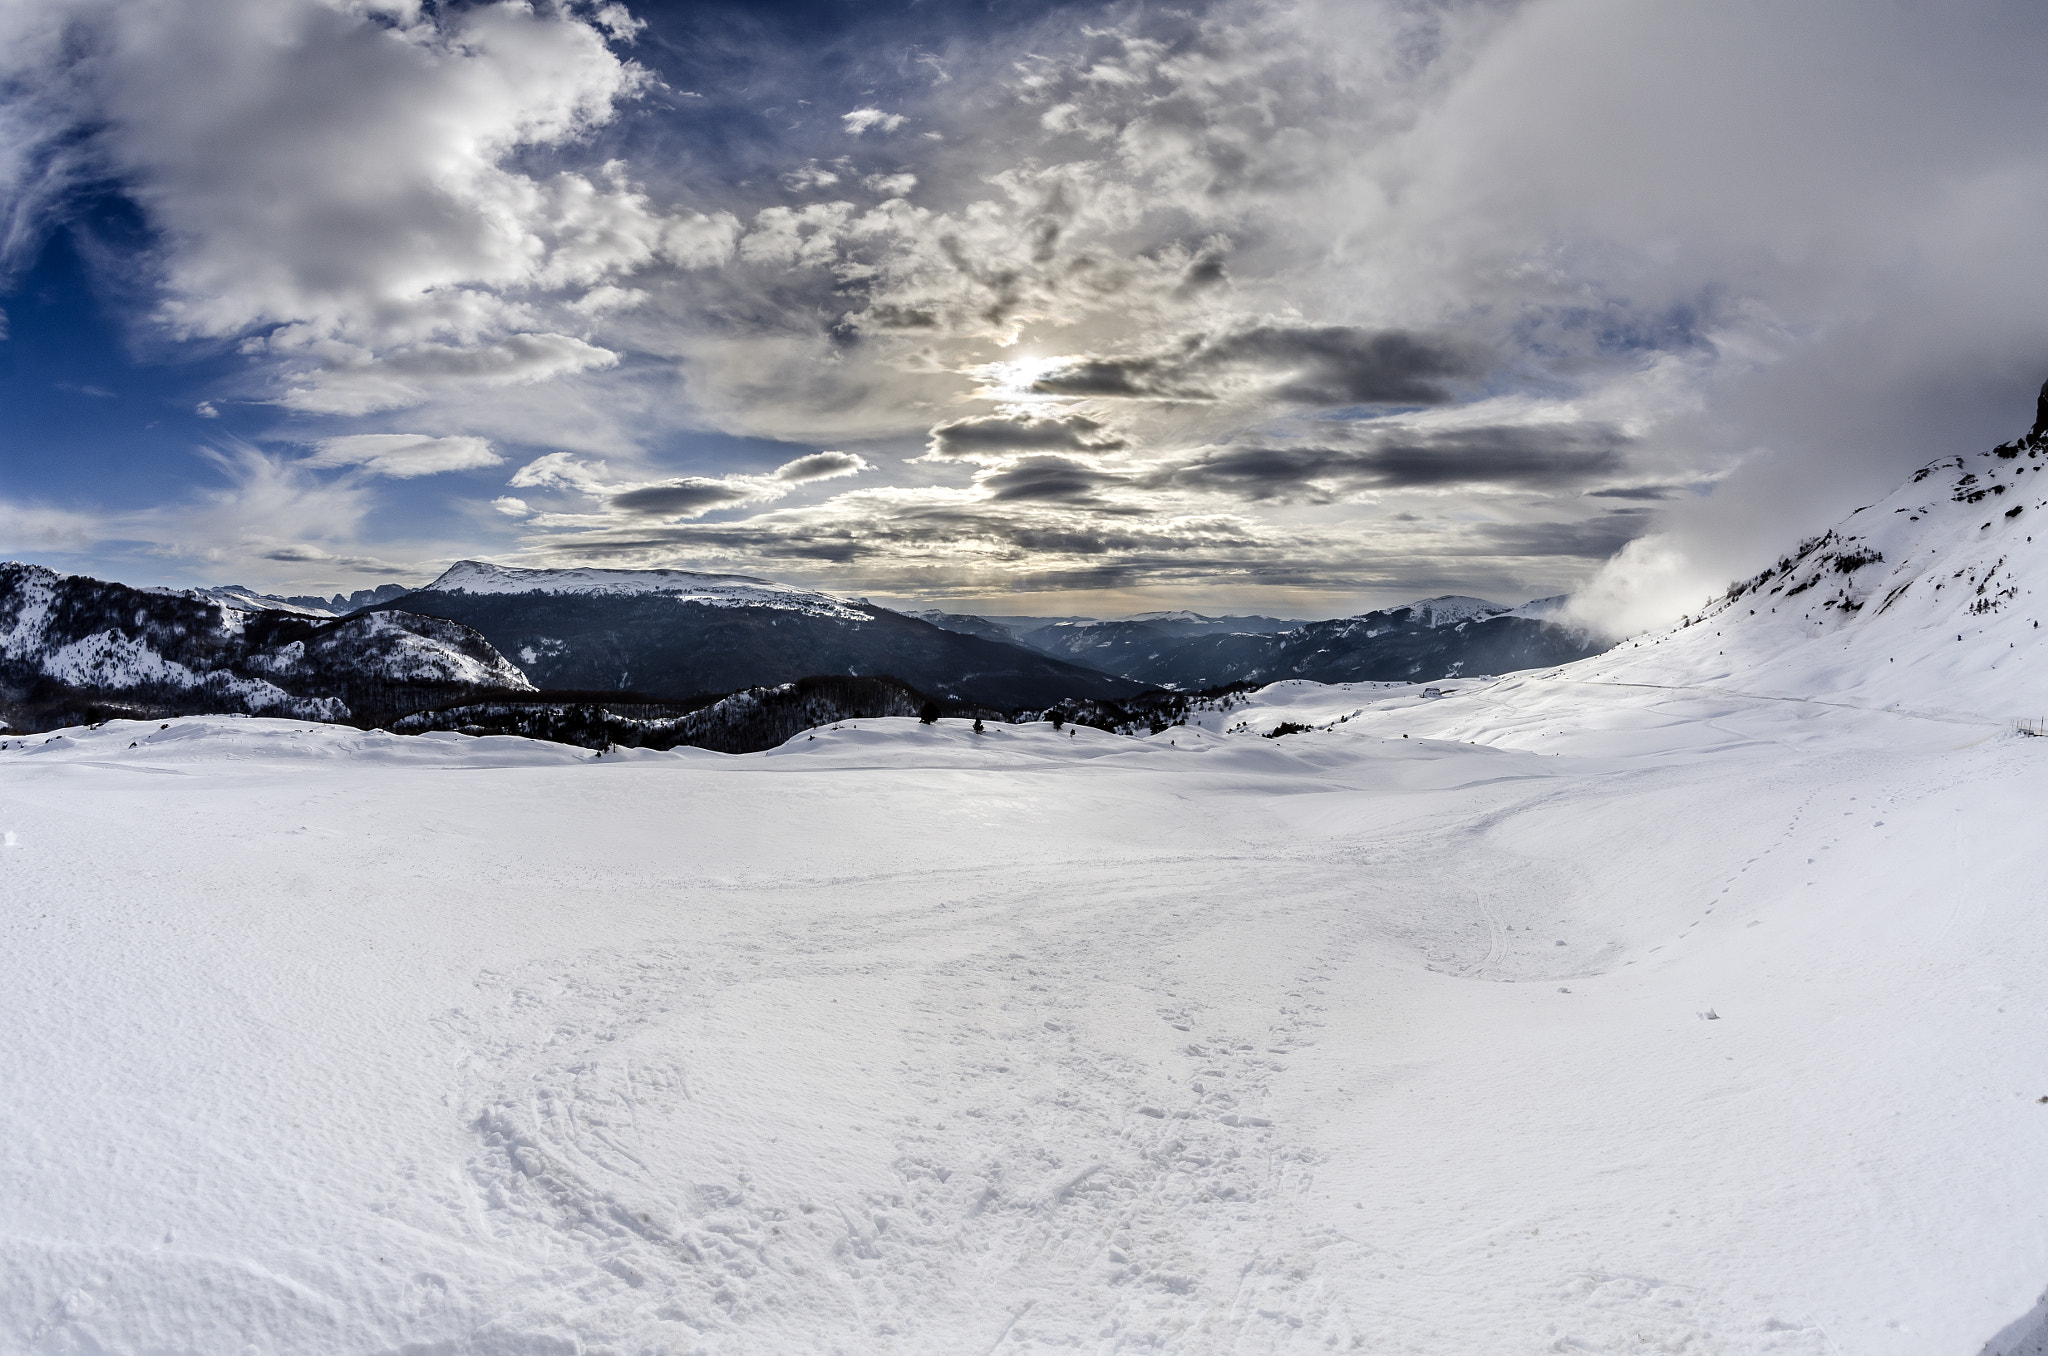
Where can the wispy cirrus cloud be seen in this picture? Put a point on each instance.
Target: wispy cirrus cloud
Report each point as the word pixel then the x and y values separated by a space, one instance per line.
pixel 403 456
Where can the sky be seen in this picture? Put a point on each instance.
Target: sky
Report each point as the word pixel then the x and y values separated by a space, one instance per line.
pixel 1256 305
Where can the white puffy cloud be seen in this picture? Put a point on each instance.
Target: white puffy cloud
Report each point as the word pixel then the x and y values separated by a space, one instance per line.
pixel 560 471
pixel 890 185
pixel 861 119
pixel 402 456
pixel 341 181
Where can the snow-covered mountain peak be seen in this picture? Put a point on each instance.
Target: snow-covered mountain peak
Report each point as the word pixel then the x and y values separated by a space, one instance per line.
pixel 1551 609
pixel 1183 615
pixel 248 600
pixel 481 578
pixel 1928 600
pixel 1449 609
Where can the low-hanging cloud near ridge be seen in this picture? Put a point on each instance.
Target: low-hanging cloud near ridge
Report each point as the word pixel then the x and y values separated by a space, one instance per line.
pixel 1395 291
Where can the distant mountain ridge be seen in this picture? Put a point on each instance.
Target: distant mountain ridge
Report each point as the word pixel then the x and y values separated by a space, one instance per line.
pixel 1447 636
pixel 340 605
pixel 678 634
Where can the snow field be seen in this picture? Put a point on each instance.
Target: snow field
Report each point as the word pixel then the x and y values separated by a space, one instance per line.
pixel 903 1039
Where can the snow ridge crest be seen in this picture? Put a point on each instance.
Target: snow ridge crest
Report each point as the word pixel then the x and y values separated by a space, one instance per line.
pixel 479 578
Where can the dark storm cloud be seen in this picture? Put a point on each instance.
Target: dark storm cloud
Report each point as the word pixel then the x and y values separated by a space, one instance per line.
pixel 1591 539
pixel 892 528
pixel 1045 480
pixel 1645 492
pixel 1326 365
pixel 1341 365
pixel 997 434
pixel 680 497
pixel 1516 456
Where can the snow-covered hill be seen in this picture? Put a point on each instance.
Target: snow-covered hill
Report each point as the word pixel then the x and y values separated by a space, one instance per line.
pixel 1448 609
pixel 1667 1030
pixel 72 647
pixel 1929 600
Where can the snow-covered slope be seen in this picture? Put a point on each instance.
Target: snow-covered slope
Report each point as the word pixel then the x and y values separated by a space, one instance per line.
pixel 480 579
pixel 1666 1031
pixel 1929 600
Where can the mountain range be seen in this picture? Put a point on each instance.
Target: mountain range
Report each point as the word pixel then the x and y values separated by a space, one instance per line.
pixel 1444 637
pixel 676 634
pixel 74 648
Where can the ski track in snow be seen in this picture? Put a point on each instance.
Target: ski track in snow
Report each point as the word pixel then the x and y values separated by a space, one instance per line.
pixel 912 1041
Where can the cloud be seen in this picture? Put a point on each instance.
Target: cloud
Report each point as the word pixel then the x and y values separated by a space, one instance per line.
pixel 861 119
pixel 560 471
pixel 1583 253
pixel 821 466
pixel 402 456
pixel 341 182
pixel 997 435
pixel 1502 456
pixel 809 176
pixel 1645 492
pixel 408 377
pixel 682 498
pixel 510 506
pixel 1329 365
pixel 1045 480
pixel 1589 539
pixel 678 497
